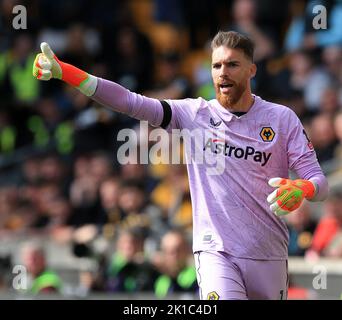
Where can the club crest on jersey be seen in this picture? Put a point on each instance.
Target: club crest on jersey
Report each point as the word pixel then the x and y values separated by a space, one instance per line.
pixel 215 124
pixel 267 134
pixel 213 296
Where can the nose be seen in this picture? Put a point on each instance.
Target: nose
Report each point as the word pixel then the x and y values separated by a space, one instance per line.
pixel 223 72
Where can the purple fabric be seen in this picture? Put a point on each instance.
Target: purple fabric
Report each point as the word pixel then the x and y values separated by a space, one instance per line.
pixel 233 278
pixel 120 99
pixel 230 210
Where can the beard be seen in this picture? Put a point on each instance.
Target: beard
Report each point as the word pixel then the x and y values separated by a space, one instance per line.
pixel 229 100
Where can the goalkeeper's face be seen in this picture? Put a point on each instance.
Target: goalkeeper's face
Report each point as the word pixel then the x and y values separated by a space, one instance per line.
pixel 231 71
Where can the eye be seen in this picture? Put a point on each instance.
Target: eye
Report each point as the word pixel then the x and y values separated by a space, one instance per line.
pixel 216 66
pixel 232 64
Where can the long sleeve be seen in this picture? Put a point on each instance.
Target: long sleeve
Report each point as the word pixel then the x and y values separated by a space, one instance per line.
pixel 137 106
pixel 308 168
pixel 303 159
pixel 322 187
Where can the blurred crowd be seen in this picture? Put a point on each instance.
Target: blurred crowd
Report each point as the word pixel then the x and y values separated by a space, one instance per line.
pixel 60 179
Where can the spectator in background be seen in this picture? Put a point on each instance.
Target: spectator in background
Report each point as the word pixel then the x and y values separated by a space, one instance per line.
pixel 332 59
pixel 109 195
pixel 308 78
pixel 128 269
pixel 302 34
pixel 39 202
pixel 42 196
pixel 172 194
pixel 9 219
pixel 18 221
pixel 43 280
pixel 8 133
pixel 49 126
pixel 94 127
pixel 138 211
pixel 81 45
pixel 201 76
pixel 169 83
pixel 101 166
pixel 332 34
pixel 329 101
pixel 30 171
pixel 52 169
pixel 301 227
pixel 84 199
pixel 297 104
pixel 178 274
pixel 81 166
pixel 327 241
pixel 296 28
pixel 136 170
pixel 90 172
pixel 244 20
pixel 51 116
pixel 59 214
pixel 323 137
pixel 44 188
pixel 16 71
pixel 135 53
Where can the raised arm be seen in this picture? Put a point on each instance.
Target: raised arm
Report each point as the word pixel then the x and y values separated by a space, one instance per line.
pixel 47 66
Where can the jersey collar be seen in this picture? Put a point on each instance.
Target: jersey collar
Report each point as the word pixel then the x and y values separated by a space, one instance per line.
pixel 228 115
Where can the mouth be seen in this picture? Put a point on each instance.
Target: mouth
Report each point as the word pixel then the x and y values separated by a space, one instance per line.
pixel 225 88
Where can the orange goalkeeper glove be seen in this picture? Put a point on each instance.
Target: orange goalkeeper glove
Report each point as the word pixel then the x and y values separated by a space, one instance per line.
pixel 289 194
pixel 47 66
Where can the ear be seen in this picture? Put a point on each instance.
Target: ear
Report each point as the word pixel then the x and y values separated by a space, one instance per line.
pixel 253 70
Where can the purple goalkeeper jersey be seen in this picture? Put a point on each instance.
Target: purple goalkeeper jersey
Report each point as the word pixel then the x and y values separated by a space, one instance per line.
pixel 229 185
pixel 229 165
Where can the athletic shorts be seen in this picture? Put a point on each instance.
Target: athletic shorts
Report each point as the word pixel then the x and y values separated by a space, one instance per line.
pixel 223 277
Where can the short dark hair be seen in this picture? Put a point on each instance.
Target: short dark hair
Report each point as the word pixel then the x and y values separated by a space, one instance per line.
pixel 234 40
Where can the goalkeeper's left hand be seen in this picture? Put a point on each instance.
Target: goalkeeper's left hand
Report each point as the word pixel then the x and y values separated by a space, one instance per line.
pixel 289 194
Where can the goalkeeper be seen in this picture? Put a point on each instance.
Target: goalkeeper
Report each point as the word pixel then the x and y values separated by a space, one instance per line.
pixel 239 239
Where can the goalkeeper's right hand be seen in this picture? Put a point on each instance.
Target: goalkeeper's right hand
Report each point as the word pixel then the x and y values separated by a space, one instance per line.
pixel 47 66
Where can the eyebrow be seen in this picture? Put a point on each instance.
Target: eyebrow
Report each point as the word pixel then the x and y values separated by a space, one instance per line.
pixel 226 61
